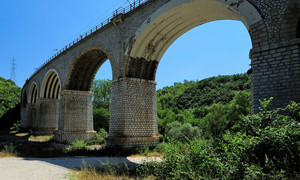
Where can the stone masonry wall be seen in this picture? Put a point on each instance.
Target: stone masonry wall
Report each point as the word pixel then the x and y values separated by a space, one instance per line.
pixel 47 113
pixel 133 120
pixel 276 73
pixel 76 111
pixel 76 116
pixel 290 21
pixel 31 116
pixel 133 108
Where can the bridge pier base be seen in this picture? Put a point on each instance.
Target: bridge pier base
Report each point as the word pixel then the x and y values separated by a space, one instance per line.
pixel 76 116
pixel 48 111
pixel 133 120
pixel 31 116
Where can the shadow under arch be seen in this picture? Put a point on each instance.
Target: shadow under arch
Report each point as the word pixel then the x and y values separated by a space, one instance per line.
pixel 170 22
pixel 33 93
pixel 84 69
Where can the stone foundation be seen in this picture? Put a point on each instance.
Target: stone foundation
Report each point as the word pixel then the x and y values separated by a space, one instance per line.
pixel 131 142
pixel 76 116
pixel 61 136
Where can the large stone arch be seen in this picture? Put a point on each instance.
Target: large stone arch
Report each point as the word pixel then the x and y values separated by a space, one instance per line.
pixel 172 20
pixel 76 109
pixel 84 69
pixel 134 118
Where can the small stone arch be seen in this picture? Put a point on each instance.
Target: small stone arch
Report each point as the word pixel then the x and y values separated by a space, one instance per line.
pixel 51 86
pixel 33 93
pixel 84 69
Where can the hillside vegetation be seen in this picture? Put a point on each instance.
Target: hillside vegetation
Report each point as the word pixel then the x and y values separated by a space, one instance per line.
pixel 208 132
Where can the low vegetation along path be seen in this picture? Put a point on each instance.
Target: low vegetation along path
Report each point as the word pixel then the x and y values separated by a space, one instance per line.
pixel 55 168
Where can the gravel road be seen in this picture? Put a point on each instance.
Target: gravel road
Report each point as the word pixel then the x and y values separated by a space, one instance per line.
pixel 54 168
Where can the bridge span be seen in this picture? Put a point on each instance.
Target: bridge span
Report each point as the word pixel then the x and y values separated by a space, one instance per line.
pixel 57 98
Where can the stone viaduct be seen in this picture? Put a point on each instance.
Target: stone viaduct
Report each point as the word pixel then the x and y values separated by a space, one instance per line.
pixel 57 97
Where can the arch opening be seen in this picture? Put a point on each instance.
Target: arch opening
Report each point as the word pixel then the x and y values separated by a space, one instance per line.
pixel 33 94
pixel 84 69
pixel 170 22
pixel 101 89
pixel 203 52
pixel 92 71
pixel 51 86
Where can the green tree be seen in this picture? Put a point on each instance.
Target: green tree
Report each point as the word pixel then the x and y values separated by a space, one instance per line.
pixel 102 93
pixel 9 95
pixel 101 103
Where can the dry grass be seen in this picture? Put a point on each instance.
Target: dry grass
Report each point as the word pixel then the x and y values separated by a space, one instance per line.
pixel 21 134
pixel 92 174
pixel 40 138
pixel 150 154
pixel 6 155
pixel 8 151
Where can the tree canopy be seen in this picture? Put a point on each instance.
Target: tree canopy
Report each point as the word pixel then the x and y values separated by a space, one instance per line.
pixel 9 95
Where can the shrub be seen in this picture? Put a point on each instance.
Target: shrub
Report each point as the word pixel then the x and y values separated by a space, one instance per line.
pixel 102 133
pixel 78 145
pixel 101 118
pixel 195 161
pixel 16 127
pixel 269 148
pixel 9 149
pixel 182 132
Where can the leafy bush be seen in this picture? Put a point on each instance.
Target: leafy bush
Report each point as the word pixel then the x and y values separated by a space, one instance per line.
pixel 102 133
pixel 16 127
pixel 182 132
pixel 269 148
pixel 78 145
pixel 101 118
pixel 195 161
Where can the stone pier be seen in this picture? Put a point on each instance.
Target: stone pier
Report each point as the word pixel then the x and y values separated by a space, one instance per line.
pixel 76 116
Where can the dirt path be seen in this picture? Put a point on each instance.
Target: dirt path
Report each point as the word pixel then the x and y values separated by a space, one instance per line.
pixel 53 168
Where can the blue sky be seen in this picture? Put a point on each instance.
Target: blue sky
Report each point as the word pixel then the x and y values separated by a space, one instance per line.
pixel 31 30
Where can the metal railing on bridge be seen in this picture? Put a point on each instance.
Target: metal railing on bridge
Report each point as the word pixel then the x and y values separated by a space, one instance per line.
pixel 117 12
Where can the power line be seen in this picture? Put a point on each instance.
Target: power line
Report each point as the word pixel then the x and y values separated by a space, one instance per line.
pixel 13 70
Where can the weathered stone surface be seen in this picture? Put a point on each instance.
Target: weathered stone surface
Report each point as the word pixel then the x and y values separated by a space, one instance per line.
pixel 47 116
pixel 31 116
pixel 75 117
pixel 133 112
